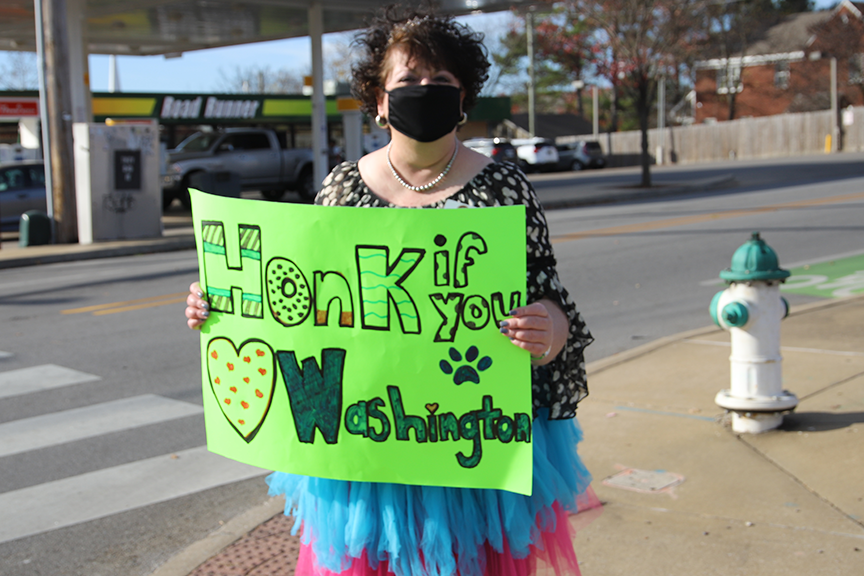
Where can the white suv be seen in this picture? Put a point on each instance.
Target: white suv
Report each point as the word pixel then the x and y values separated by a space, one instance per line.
pixel 536 153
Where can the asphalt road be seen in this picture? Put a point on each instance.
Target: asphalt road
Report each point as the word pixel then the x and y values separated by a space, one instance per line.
pixel 108 340
pixel 643 270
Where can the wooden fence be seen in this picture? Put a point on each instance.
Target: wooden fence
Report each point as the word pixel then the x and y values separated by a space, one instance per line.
pixel 768 137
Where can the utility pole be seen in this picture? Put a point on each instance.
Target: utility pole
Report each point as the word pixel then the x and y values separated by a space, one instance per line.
pixel 59 110
pixel 661 119
pixel 529 30
pixel 835 130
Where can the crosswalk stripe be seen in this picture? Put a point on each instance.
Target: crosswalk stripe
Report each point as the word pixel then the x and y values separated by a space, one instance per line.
pixel 39 378
pixel 102 493
pixel 5 354
pixel 90 421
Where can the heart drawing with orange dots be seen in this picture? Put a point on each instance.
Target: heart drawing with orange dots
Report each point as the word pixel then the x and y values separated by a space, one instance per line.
pixel 243 382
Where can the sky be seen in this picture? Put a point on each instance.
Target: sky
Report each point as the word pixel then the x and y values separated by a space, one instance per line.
pixel 202 70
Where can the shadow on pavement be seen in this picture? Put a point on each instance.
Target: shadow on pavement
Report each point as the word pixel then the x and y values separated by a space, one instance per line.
pixel 820 421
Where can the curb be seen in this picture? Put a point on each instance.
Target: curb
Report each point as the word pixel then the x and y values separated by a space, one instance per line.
pixel 75 252
pixel 649 194
pixel 184 562
pixel 603 364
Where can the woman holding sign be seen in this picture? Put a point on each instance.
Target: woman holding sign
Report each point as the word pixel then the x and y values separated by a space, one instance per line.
pixel 419 76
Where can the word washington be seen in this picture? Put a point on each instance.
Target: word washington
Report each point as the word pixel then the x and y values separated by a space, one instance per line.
pixel 315 395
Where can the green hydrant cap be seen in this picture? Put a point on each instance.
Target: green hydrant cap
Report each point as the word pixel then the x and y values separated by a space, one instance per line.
pixel 754 260
pixel 735 314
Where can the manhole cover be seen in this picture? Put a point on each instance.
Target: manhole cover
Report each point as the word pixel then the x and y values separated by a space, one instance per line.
pixel 643 480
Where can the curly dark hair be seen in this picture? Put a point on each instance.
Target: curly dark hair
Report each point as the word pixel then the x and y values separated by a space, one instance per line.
pixel 438 41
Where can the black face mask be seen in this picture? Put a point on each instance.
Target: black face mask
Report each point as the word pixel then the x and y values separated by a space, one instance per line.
pixel 425 112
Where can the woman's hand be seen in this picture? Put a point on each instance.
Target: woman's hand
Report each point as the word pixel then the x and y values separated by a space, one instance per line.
pixel 540 328
pixel 197 309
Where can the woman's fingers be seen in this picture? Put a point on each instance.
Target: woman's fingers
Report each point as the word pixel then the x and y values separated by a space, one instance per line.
pixel 527 323
pixel 535 309
pixel 197 309
pixel 539 336
pixel 529 327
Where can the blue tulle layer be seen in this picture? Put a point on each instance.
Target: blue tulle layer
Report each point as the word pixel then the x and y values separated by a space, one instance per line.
pixel 431 530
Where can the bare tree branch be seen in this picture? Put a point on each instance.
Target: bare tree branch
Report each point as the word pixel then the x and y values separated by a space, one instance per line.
pixel 19 71
pixel 259 80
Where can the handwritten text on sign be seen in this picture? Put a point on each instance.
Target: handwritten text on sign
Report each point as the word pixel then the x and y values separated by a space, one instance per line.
pixel 363 344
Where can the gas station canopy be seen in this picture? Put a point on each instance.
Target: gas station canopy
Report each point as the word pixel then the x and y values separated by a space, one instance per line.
pixel 153 27
pixel 166 27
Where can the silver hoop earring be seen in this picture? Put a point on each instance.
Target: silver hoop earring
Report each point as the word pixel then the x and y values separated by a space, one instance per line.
pixel 464 119
pixel 380 122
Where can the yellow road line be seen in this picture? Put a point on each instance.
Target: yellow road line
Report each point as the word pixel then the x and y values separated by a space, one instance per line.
pixel 168 299
pixel 695 219
pixel 139 306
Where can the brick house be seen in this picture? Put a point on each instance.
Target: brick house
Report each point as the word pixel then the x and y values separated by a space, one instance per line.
pixel 788 68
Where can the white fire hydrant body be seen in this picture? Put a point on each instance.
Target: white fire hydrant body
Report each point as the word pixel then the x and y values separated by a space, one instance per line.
pixel 751 309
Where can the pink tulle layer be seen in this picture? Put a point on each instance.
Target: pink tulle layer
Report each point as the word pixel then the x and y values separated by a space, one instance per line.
pixel 554 549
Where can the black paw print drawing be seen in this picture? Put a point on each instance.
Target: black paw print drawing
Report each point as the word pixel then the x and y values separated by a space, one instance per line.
pixel 466 372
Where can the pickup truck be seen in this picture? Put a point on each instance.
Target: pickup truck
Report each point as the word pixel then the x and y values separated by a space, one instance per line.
pixel 255 154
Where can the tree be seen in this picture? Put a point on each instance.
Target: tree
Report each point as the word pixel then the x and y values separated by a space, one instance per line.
pixel 19 72
pixel 842 37
pixel 338 59
pixel 731 27
pixel 562 55
pixel 259 79
pixel 639 41
pixel 565 41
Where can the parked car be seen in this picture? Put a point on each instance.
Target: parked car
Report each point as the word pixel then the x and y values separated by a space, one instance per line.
pixel 257 155
pixel 580 155
pixel 499 149
pixel 536 154
pixel 22 188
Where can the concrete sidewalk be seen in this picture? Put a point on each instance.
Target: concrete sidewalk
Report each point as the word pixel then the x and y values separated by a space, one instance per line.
pixel 789 501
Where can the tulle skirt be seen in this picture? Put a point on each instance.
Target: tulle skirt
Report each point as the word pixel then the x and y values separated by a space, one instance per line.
pixel 377 529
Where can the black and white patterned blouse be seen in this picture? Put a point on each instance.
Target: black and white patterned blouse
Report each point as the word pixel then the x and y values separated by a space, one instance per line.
pixel 560 384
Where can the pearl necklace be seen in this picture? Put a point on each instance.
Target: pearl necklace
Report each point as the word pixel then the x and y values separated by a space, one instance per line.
pixel 425 187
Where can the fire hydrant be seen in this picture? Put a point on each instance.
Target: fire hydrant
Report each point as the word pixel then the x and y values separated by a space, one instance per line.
pixel 751 309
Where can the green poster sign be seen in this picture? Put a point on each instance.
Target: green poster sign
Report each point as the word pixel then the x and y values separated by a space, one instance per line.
pixel 363 344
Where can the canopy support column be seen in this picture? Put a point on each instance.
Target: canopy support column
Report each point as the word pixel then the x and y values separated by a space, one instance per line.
pixel 319 112
pixel 79 70
pixel 58 110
